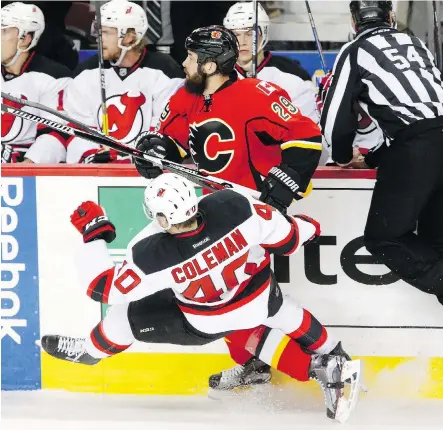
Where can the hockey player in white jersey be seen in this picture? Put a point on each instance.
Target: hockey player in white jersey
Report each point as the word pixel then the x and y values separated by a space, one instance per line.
pixel 28 75
pixel 217 263
pixel 281 71
pixel 138 83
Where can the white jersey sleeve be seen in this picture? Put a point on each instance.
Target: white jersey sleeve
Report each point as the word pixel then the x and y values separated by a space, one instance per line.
pixel 277 233
pixel 114 284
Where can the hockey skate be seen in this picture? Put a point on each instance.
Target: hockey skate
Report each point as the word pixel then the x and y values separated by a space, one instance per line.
pixel 67 348
pixel 253 372
pixel 334 373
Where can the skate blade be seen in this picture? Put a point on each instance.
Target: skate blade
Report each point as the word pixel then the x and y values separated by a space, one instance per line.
pixel 352 370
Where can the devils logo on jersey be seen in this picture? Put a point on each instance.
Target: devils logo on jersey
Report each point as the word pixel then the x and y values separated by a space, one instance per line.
pixel 11 125
pixel 125 117
pixel 211 143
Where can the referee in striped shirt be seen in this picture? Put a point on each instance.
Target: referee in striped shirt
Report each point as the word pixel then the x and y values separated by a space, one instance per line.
pixel 394 79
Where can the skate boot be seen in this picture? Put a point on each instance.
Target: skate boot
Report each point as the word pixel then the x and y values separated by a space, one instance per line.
pixel 253 372
pixel 67 348
pixel 333 373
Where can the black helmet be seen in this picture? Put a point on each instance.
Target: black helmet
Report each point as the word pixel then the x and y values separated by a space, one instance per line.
pixel 366 12
pixel 214 43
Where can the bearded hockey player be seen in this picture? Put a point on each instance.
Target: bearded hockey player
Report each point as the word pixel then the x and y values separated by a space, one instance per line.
pixel 217 263
pixel 27 75
pixel 278 70
pixel 243 130
pixel 138 83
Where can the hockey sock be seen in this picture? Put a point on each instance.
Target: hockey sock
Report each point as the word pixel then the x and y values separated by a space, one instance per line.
pixel 312 335
pixel 237 353
pixel 275 348
pixel 112 335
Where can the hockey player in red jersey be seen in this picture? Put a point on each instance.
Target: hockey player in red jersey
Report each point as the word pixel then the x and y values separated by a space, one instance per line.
pixel 217 263
pixel 246 131
pixel 28 75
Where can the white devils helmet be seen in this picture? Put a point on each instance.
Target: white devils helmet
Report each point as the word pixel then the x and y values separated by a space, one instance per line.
pixel 27 18
pixel 123 15
pixel 241 17
pixel 171 195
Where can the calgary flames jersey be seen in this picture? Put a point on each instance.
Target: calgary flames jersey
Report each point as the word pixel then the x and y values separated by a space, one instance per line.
pixel 220 272
pixel 241 131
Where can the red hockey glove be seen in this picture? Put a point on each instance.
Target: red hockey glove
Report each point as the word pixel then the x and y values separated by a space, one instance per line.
pixel 90 220
pixel 315 223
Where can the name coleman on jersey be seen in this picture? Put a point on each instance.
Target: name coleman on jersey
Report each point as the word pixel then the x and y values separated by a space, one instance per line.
pixel 212 257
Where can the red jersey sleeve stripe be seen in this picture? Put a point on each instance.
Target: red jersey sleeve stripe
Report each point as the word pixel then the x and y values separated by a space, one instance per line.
pixel 289 244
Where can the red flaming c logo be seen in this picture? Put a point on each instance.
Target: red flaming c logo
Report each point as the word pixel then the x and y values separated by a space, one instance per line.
pixel 216 34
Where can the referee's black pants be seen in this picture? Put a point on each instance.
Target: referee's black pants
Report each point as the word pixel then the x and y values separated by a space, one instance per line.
pixel 404 228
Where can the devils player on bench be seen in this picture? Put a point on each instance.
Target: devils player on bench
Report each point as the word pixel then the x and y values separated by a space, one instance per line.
pixel 245 131
pixel 214 255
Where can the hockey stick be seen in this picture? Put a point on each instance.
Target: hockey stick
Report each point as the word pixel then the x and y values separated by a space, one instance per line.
pixel 101 68
pixel 254 65
pixel 316 38
pixel 206 181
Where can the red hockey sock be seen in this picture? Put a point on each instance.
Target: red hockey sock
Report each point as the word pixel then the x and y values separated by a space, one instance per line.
pixel 238 354
pixel 274 348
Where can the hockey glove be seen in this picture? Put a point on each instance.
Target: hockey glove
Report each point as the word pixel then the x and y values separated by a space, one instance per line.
pixel 315 223
pixel 152 143
pixel 280 187
pixel 90 220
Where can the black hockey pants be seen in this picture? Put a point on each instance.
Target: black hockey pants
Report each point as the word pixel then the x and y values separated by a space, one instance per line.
pixel 404 228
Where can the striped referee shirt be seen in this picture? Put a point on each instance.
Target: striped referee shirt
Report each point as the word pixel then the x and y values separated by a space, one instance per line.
pixel 394 79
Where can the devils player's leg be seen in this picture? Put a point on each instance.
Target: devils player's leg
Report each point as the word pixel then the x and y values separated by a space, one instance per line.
pixel 108 338
pixel 153 319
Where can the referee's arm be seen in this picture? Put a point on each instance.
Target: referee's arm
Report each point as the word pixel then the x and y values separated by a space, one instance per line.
pixel 339 121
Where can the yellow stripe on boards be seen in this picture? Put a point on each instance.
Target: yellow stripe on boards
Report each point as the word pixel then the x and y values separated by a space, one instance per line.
pixel 301 144
pixel 187 374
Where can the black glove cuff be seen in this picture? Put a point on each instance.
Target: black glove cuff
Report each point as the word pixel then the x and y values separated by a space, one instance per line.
pixel 286 176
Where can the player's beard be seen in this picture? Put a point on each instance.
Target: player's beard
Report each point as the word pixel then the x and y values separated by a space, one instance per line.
pixel 196 83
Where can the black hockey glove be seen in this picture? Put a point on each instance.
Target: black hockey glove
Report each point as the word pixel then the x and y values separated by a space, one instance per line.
pixel 281 187
pixel 152 143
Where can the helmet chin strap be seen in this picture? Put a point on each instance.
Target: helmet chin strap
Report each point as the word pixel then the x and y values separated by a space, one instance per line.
pixel 124 50
pixel 17 54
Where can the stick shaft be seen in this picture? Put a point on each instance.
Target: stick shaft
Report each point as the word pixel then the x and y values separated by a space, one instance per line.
pixel 316 38
pixel 206 181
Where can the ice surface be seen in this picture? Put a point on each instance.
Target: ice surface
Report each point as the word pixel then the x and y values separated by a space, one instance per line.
pixel 269 410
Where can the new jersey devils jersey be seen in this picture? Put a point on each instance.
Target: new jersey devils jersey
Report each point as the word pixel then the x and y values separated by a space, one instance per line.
pixel 135 97
pixel 290 76
pixel 220 272
pixel 242 130
pixel 43 81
